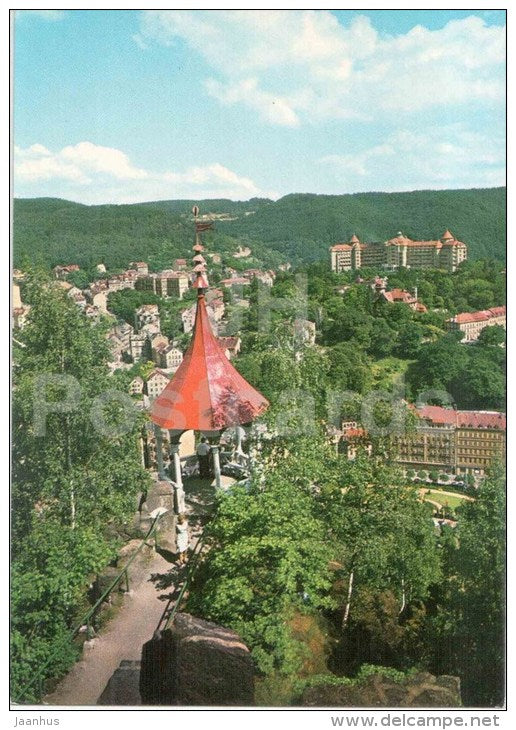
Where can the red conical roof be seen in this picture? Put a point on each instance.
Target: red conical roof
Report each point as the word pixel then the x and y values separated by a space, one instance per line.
pixel 206 393
pixel 447 235
pixel 354 239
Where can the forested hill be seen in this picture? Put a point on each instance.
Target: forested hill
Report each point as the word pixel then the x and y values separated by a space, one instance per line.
pixel 300 227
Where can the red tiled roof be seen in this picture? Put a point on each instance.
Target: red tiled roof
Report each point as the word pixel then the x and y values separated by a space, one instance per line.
pixel 482 316
pixel 447 235
pixel 464 419
pixel 497 311
pixel 351 433
pixel 228 342
pixel 399 295
pixel 341 247
pixel 157 372
pixel 466 317
pixel 354 239
pixel 235 280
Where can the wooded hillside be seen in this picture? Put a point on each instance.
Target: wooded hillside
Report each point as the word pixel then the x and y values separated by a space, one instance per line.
pixel 299 227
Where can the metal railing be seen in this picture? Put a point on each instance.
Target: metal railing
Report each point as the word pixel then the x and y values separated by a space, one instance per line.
pixel 168 614
pixel 39 677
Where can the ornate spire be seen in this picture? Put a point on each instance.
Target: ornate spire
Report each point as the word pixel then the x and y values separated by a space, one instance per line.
pixel 206 393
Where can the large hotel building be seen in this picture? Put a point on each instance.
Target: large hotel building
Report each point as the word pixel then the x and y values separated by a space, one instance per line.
pixel 457 442
pixel 445 253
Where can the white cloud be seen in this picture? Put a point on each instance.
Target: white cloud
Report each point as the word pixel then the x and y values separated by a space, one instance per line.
pixel 445 156
pixel 90 173
pixel 293 66
pixel 271 106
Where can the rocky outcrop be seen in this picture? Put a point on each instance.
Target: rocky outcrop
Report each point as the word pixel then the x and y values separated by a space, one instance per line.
pixel 196 663
pixel 420 690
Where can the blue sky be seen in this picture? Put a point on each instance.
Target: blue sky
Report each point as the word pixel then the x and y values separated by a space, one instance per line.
pixel 123 106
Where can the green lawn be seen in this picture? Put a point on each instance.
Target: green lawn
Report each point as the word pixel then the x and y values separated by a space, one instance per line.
pixel 445 499
pixel 388 370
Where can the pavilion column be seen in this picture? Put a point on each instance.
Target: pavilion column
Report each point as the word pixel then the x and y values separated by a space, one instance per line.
pixel 159 451
pixel 179 493
pixel 216 465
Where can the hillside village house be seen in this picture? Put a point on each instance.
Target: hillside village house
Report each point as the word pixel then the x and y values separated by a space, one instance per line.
pixel 170 357
pixel 61 272
pixel 165 283
pixel 140 267
pixel 235 281
pixel 147 314
pixel 156 383
pixel 400 296
pixel 445 253
pixel 123 330
pixel 471 324
pixel 215 314
pixel 136 386
pixel 136 346
pixel 230 346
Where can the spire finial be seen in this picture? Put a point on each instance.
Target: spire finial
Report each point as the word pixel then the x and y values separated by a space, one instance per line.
pixel 201 280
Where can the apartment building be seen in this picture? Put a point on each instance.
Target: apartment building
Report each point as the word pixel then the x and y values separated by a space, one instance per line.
pixel 457 442
pixel 471 324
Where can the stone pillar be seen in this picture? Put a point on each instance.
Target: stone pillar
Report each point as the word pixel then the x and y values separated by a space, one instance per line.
pixel 159 451
pixel 179 494
pixel 216 465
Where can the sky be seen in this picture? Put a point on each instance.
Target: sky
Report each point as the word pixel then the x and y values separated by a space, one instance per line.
pixel 123 106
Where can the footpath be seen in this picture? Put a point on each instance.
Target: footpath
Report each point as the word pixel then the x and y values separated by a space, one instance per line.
pixel 138 617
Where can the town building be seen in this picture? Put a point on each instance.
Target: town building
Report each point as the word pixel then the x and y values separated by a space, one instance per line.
pixel 242 252
pixel 230 346
pixel 101 268
pixel 170 357
pixel 123 330
pixel 61 272
pixel 17 302
pixel 147 314
pixel 136 386
pixel 137 344
pixel 235 281
pixel 471 324
pixel 140 266
pixel 445 253
pixel 156 383
pixel 20 315
pixel 353 438
pixel 265 277
pixel 400 296
pixel 215 258
pixel 117 347
pixel 456 442
pixel 165 283
pixel 158 343
pixel 180 264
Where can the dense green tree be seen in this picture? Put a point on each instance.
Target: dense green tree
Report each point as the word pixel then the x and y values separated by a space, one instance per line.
pixel 491 336
pixel 471 620
pixel 76 474
pixel 269 557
